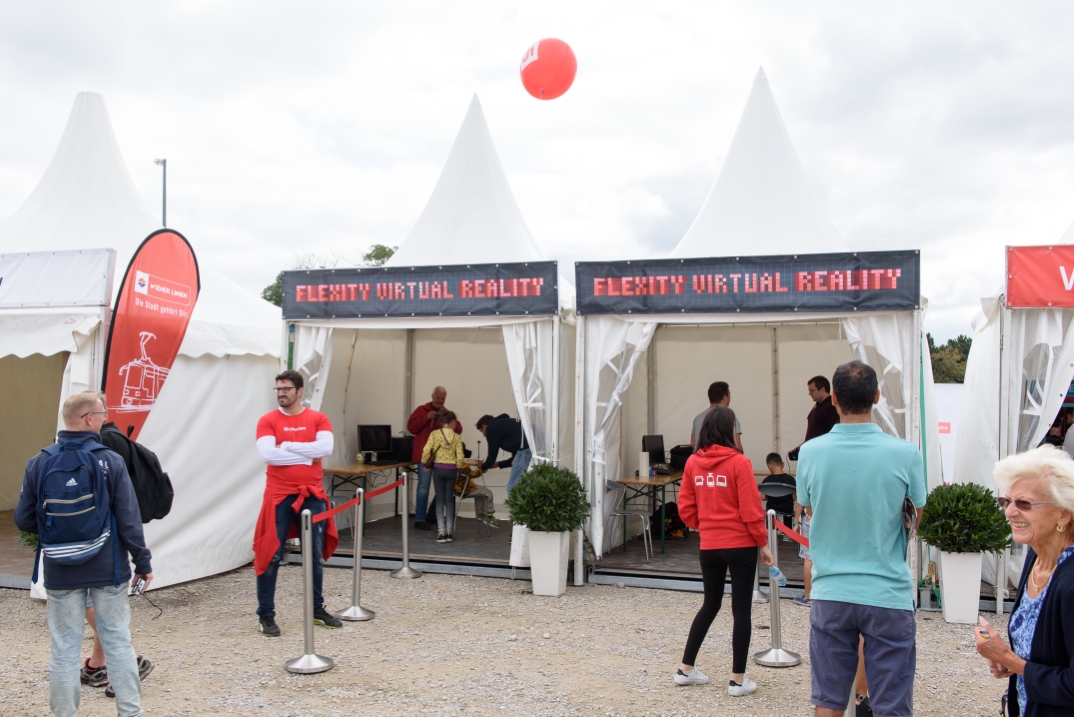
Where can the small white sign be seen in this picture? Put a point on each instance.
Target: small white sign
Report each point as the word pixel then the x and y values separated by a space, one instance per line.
pixel 141 282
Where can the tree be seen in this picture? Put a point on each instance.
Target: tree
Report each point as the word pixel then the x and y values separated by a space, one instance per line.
pixel 378 254
pixel 273 293
pixel 949 359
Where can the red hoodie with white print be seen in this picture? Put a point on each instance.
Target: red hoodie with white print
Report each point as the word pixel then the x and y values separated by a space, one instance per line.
pixel 719 498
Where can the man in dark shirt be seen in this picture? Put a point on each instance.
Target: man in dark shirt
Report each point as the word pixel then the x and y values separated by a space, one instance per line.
pixel 822 416
pixel 506 433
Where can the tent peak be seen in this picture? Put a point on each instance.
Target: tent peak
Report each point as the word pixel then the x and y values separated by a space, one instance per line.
pixel 761 76
pixel 474 102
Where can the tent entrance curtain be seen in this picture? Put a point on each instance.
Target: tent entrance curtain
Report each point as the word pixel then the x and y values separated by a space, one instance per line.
pixel 363 374
pixel 760 356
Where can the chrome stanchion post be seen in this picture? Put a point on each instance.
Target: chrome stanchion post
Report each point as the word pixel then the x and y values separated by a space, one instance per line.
pixel 758 596
pixel 406 571
pixel 356 612
pixel 310 662
pixel 776 656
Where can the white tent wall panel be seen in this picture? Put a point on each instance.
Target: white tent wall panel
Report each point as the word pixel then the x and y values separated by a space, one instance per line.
pixel 689 358
pixel 202 429
pixel 805 350
pixel 32 392
pixel 567 347
pixel 471 364
pixel 364 385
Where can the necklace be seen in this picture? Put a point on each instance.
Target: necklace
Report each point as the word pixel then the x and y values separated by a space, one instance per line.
pixel 1039 587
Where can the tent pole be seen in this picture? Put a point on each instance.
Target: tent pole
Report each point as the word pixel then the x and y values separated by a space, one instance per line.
pixel 553 442
pixel 775 391
pixel 408 406
pixel 579 438
pixel 650 389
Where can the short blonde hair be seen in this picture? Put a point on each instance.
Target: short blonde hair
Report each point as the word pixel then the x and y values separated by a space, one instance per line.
pixel 1053 467
pixel 79 404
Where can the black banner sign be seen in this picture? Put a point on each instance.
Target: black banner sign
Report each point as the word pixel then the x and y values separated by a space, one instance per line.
pixel 470 290
pixel 862 281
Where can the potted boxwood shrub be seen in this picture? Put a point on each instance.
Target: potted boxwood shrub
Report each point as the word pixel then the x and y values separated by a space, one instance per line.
pixel 550 502
pixel 962 520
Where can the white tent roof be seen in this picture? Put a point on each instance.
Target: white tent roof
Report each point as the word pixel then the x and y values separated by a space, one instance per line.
pixel 86 199
pixel 471 216
pixel 761 202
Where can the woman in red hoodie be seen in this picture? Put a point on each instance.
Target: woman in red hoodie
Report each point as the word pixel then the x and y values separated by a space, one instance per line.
pixel 719 498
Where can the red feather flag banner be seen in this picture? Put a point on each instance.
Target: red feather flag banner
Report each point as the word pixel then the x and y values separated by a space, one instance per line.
pixel 153 309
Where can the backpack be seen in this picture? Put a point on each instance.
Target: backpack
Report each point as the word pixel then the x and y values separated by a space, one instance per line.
pixel 673 525
pixel 152 486
pixel 74 505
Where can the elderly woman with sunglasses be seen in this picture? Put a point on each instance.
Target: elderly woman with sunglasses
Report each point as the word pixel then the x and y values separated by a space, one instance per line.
pixel 1037 495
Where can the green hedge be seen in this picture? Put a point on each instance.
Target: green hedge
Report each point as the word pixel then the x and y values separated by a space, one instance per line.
pixel 964 518
pixel 548 498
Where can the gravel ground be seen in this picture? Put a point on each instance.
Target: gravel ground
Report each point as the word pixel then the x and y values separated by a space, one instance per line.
pixel 452 645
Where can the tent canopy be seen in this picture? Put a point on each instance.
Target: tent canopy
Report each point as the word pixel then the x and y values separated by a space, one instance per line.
pixel 218 386
pixel 760 204
pixel 86 199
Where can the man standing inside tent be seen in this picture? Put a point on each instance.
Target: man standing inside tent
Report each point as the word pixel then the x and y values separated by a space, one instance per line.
pixel 292 440
pixel 719 395
pixel 421 423
pixel 68 473
pixel 506 433
pixel 822 416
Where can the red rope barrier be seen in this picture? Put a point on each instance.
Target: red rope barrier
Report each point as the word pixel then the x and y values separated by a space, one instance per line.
pixel 793 535
pixel 354 501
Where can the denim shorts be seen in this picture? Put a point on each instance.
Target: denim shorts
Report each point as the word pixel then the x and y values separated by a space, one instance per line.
pixel 890 655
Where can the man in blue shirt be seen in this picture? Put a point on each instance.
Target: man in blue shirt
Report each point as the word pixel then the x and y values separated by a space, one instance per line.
pixel 853 482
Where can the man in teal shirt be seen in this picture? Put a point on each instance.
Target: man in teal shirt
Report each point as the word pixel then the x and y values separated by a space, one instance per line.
pixel 853 482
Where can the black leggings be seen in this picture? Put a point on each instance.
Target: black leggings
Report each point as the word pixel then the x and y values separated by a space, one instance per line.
pixel 714 565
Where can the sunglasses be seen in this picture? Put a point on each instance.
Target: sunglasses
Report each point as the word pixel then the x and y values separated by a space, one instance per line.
pixel 1023 505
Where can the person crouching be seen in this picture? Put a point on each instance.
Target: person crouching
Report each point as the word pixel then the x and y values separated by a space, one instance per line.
pixel 444 447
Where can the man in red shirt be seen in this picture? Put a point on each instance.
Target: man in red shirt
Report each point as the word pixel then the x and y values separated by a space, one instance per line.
pixel 421 423
pixel 292 440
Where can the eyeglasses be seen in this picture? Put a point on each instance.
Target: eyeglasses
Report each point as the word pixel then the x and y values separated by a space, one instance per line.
pixel 95 413
pixel 284 389
pixel 1023 505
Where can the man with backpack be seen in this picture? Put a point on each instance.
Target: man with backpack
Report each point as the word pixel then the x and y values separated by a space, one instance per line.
pixel 78 499
pixel 153 489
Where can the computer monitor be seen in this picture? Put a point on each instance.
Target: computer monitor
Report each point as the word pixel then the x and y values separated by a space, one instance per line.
pixel 655 446
pixel 375 439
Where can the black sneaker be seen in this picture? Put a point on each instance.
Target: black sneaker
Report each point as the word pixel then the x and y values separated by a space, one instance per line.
pixel 421 525
pixel 326 619
pixel 94 677
pixel 145 666
pixel 269 628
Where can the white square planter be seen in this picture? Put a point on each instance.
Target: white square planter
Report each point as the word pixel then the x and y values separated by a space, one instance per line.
pixel 548 562
pixel 960 587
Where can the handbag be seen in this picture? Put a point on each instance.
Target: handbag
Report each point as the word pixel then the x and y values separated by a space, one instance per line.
pixel 431 460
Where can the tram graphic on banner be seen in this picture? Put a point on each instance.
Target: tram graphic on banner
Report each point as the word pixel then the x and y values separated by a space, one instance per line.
pixel 153 310
pixel 142 380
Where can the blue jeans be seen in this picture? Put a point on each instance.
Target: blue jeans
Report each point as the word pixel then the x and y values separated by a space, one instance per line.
pixel 519 464
pixel 66 622
pixel 285 518
pixel 421 501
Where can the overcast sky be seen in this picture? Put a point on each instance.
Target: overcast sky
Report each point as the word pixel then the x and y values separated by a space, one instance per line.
pixel 322 127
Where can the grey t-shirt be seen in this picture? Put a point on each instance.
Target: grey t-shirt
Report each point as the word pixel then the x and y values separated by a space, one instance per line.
pixel 700 419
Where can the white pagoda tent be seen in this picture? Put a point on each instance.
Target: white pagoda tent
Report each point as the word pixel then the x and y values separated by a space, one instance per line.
pixel 378 370
pixel 201 426
pixel 648 374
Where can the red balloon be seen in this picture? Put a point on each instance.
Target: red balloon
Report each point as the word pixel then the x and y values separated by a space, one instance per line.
pixel 548 68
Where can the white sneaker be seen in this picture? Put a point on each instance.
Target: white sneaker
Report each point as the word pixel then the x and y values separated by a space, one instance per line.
pixel 693 677
pixel 748 687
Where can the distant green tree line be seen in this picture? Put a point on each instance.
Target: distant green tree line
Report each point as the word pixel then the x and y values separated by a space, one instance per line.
pixel 376 256
pixel 949 360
